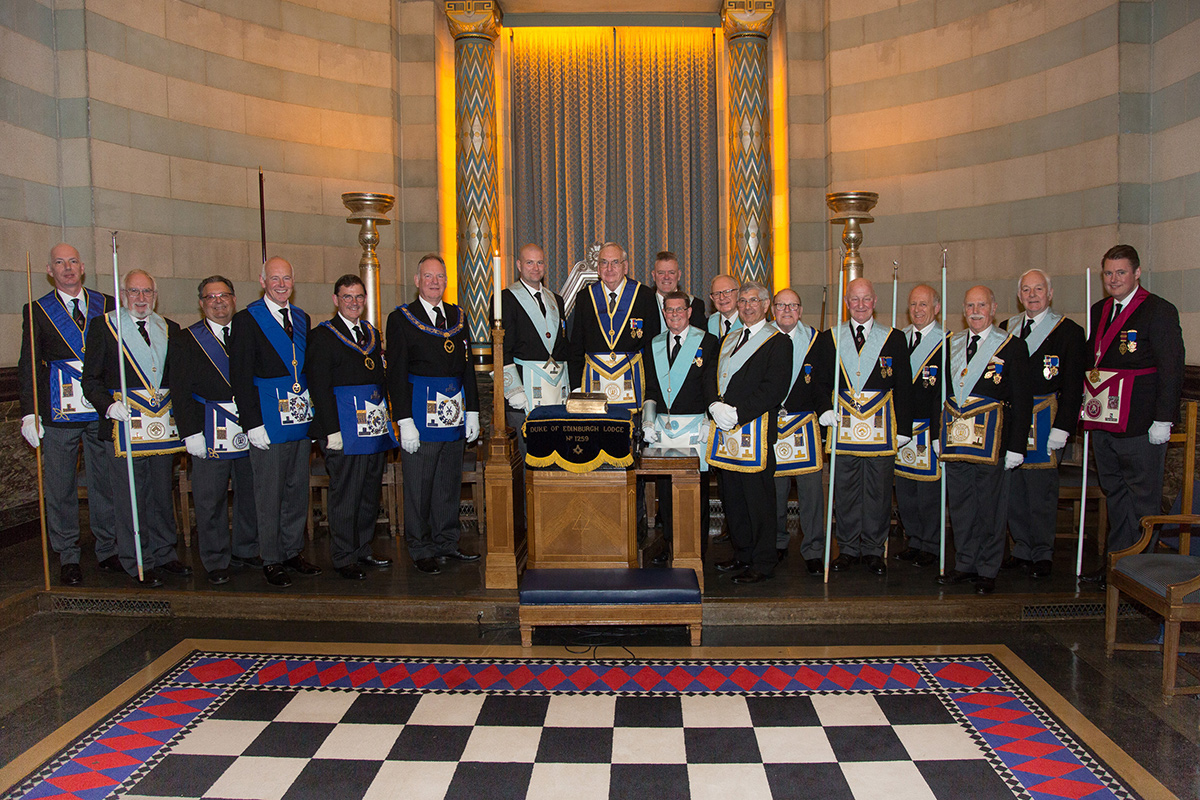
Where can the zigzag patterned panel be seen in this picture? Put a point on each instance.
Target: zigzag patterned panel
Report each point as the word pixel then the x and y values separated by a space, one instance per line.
pixel 750 163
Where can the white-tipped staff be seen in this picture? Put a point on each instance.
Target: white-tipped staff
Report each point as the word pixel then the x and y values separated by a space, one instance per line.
pixel 837 388
pixel 37 410
pixel 942 466
pixel 1087 435
pixel 128 423
pixel 895 288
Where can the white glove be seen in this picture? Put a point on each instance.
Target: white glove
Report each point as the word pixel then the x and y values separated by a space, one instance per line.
pixel 259 437
pixel 902 440
pixel 31 429
pixel 1159 432
pixel 1057 439
pixel 519 400
pixel 117 411
pixel 828 419
pixel 725 415
pixel 937 447
pixel 195 445
pixel 334 441
pixel 704 433
pixel 472 425
pixel 410 440
pixel 651 434
pixel 1013 460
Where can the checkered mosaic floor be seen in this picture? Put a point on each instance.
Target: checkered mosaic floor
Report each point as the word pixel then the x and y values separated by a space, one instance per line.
pixel 225 725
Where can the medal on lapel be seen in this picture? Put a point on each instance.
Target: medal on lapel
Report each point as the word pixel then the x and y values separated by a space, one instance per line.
pixel 1130 341
pixel 885 366
pixel 635 328
pixel 1049 367
pixel 808 373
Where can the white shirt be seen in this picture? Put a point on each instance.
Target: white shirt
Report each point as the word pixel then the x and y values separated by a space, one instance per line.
pixel 69 301
pixel 219 330
pixel 275 309
pixel 1037 319
pixel 866 326
pixel 429 307
pixel 353 326
pixel 923 331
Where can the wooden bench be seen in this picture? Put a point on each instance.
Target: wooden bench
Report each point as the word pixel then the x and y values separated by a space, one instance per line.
pixel 609 597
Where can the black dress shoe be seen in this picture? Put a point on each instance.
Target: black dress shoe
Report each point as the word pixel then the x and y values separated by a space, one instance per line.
pixel 150 579
pixel 876 565
pixel 252 561
pixel 352 572
pixel 176 568
pixel 815 566
pixel 1012 562
pixel 924 559
pixel 1042 569
pixel 111 564
pixel 428 566
pixel 781 552
pixel 277 575
pixel 908 554
pixel 955 576
pixel 70 575
pixel 297 564
pixel 721 537
pixel 1098 576
pixel 218 577
pixel 842 563
pixel 985 585
pixel 732 565
pixel 379 562
pixel 750 576
pixel 462 555
pixel 661 558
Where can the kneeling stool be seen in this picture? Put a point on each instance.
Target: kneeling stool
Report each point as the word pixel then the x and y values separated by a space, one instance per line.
pixel 609 597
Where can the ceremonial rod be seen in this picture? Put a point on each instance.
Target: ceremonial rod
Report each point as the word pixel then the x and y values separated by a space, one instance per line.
pixel 37 421
pixel 824 294
pixel 942 465
pixel 837 388
pixel 895 288
pixel 262 216
pixel 1087 440
pixel 128 423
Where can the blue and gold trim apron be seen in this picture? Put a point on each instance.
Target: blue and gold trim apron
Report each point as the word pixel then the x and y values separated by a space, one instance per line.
pixel 284 401
pixel 67 402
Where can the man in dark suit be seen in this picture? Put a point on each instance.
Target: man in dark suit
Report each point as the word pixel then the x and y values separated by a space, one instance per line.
pixel 351 421
pixel 798 450
pixel 431 386
pixel 918 490
pixel 142 354
pixel 985 427
pixel 666 274
pixel 873 419
pixel 535 342
pixel 63 418
pixel 751 384
pixel 679 390
pixel 266 365
pixel 1056 352
pixel 202 397
pixel 1131 396
pixel 615 318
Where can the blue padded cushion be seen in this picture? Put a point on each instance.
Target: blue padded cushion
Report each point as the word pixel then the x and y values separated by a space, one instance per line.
pixel 609 586
pixel 1156 570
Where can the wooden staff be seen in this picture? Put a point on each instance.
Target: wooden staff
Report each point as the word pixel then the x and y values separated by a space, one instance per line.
pixel 837 387
pixel 262 217
pixel 37 420
pixel 128 423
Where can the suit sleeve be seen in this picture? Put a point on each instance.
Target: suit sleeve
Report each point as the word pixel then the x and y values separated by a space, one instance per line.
pixel 905 392
pixel 509 314
pixel 562 345
pixel 697 318
pixel 584 315
pixel 824 364
pixel 319 368
pixel 399 389
pixel 1021 399
pixel 1070 395
pixel 182 369
pixel 1167 338
pixel 25 366
pixel 710 346
pixel 94 361
pixel 772 388
pixel 242 347
pixel 470 384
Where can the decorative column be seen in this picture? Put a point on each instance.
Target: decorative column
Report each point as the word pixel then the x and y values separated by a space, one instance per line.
pixel 747 25
pixel 475 25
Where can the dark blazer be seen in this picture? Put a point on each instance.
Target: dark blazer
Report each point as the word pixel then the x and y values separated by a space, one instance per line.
pixel 1014 391
pixel 587 338
pixel 100 377
pixel 192 372
pixel 521 339
pixel 761 385
pixel 50 347
pixel 899 383
pixel 699 389
pixel 806 396
pixel 409 349
pixel 1067 342
pixel 330 362
pixel 1159 346
pixel 927 396
pixel 251 356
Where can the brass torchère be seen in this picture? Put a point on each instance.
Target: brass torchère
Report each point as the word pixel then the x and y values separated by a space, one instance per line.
pixel 852 209
pixel 369 209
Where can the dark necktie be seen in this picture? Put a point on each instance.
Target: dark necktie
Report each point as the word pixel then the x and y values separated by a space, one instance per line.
pixel 439 319
pixel 742 341
pixel 1116 313
pixel 859 338
pixel 541 305
pixel 728 325
pixel 972 346
pixel 916 340
pixel 1027 328
pixel 674 352
pixel 287 322
pixel 225 334
pixel 612 302
pixel 358 336
pixel 145 333
pixel 77 315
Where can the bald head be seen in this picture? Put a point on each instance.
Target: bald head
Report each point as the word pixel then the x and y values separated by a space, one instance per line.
pixel 276 279
pixel 860 299
pixel 979 308
pixel 924 305
pixel 65 267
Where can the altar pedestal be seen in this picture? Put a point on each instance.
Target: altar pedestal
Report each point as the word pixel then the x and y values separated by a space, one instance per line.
pixel 583 520
pixel 684 471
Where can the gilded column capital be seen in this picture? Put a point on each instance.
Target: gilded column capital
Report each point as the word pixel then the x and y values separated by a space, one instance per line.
pixel 747 17
pixel 474 18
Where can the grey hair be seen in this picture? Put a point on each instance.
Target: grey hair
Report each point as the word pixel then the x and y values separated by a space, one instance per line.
pixel 1043 273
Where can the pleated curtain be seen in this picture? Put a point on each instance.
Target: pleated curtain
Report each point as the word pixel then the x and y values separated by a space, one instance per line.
pixel 614 136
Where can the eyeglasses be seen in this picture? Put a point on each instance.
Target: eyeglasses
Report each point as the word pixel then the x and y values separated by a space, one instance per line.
pixel 788 306
pixel 722 294
pixel 604 262
pixel 140 292
pixel 746 301
pixel 353 298
pixel 214 297
pixel 683 310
